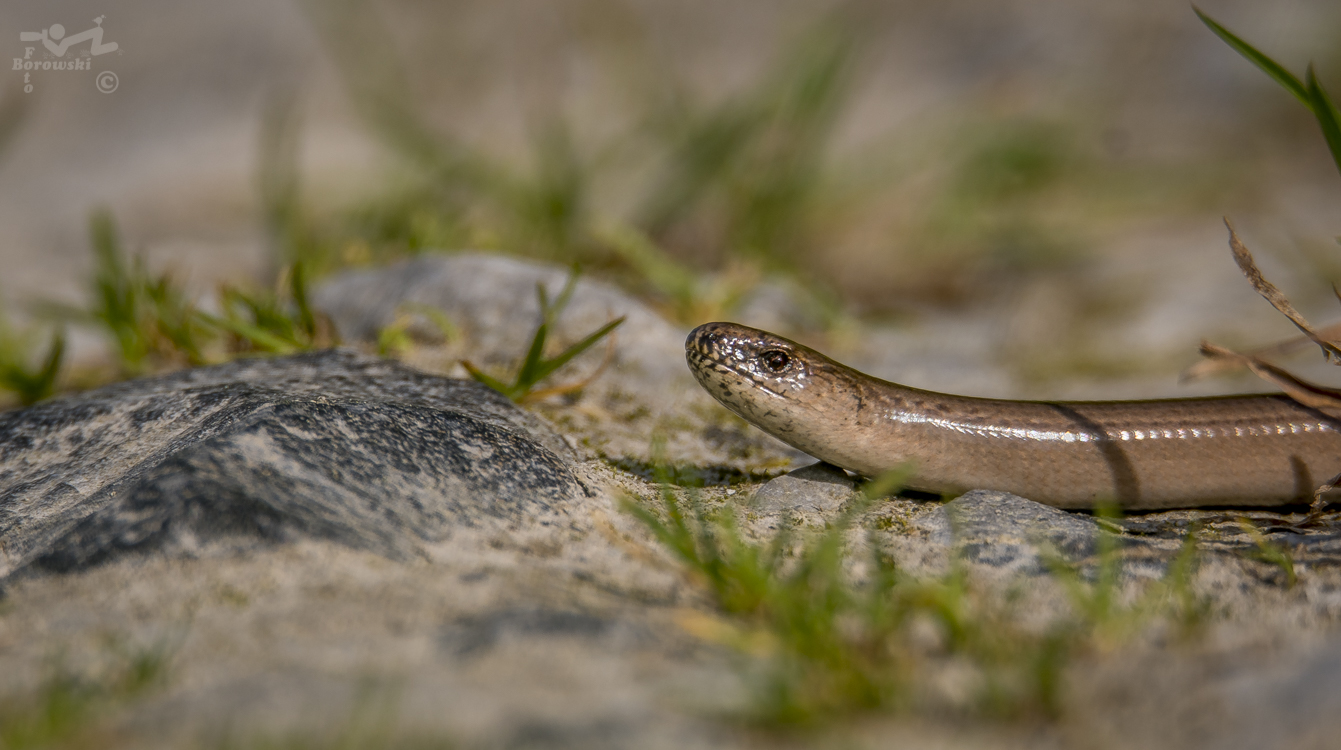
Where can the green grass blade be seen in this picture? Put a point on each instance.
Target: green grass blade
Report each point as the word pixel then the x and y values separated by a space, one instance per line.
pixel 118 291
pixel 675 535
pixel 258 337
pixel 528 375
pixel 1270 552
pixel 393 340
pixel 479 376
pixel 566 294
pixel 45 383
pixel 707 542
pixel 543 297
pixel 1189 607
pixel 15 376
pixel 1328 117
pixel 634 508
pixel 175 319
pixel 889 482
pixel 533 368
pixel 13 357
pixel 550 365
pixel 438 318
pixel 298 288
pixel 1270 67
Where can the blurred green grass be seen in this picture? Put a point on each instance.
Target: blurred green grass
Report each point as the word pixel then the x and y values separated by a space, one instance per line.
pixel 72 707
pixel 936 213
pixel 829 626
pixel 23 373
pixel 687 200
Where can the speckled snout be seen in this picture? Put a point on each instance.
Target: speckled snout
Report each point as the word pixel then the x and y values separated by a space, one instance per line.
pixel 712 340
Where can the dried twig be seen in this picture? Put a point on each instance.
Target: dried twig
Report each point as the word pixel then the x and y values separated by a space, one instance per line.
pixel 1306 393
pixel 1273 295
pixel 1217 366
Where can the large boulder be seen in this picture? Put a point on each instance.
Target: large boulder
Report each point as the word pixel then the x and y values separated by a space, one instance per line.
pixel 331 444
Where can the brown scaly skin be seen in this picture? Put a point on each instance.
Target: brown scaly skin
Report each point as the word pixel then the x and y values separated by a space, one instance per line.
pixel 1142 455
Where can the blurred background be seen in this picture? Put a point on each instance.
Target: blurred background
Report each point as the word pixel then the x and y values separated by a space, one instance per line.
pixel 1035 187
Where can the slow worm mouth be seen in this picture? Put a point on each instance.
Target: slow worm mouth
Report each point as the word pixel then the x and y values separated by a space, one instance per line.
pixel 700 362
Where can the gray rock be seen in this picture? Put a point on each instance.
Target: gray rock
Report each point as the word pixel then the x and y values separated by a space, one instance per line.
pixel 820 487
pixel 1001 530
pixel 331 444
pixel 492 298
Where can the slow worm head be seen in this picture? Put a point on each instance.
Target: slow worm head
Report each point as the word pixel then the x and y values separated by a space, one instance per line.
pixel 1171 453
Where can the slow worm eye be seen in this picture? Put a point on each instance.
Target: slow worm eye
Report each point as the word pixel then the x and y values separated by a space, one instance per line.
pixel 775 360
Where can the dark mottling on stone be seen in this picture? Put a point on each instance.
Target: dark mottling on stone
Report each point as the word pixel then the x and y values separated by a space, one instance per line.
pixel 1003 531
pixel 604 734
pixel 332 445
pixel 150 413
pixel 469 636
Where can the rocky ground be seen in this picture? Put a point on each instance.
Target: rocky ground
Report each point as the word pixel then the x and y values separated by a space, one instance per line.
pixel 337 550
pixel 333 549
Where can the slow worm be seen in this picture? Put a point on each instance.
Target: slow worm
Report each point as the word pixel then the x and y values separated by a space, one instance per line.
pixel 1257 450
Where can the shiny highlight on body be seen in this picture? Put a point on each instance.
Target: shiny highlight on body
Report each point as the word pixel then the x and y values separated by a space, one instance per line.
pixel 1259 450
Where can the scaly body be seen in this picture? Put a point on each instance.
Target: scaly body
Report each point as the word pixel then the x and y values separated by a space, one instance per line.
pixel 1169 453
